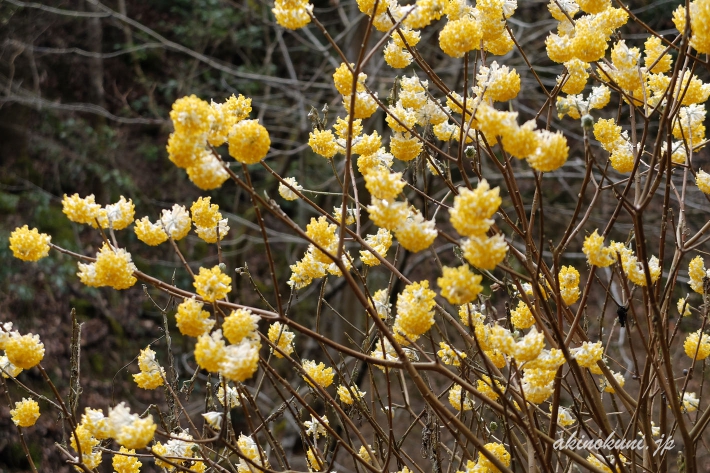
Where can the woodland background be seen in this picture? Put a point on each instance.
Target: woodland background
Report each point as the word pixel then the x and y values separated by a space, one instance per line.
pixel 85 91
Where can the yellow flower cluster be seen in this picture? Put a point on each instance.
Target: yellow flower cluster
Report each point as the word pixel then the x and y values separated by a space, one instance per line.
pixel 498 451
pixel 697 273
pixel 380 242
pixel 597 254
pixel 633 269
pixel 529 347
pixel 697 345
pixel 177 450
pixel 240 324
pixel 315 263
pixel 576 105
pixel 348 396
pixel 208 221
pixel 702 180
pixel 459 285
pixel 521 317
pixel 292 14
pixel 212 284
pixel 415 311
pixel 485 387
pixel 321 375
pixel 449 355
pixel 690 402
pixel 699 17
pixel 605 385
pixel 396 54
pixel 458 401
pixel 236 362
pixel 25 413
pixel 124 462
pixel 286 192
pixel 129 431
pixel 689 125
pixel 497 83
pixel 564 416
pixel 615 142
pixel 198 123
pixel 538 384
pixel 471 217
pixel 471 316
pixel 176 222
pixel 81 210
pixel 282 337
pixel 29 245
pixel 113 267
pixel 587 38
pixel 152 375
pixel 569 284
pixel 588 354
pixel 151 234
pixel 249 448
pixel 191 319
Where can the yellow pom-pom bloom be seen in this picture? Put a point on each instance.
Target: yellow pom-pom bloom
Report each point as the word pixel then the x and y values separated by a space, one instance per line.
pixel 25 413
pixel 608 387
pixel 322 376
pixel 123 462
pixel 207 171
pixel 416 234
pixel 24 351
pixel 450 356
pixel 597 254
pixel 209 351
pixel 150 233
pixel 343 77
pixel 401 119
pixel 367 144
pixel 497 358
pixel 485 387
pixel 529 347
pixel 386 214
pixel 396 57
pixel 471 316
pixel 415 314
pixel 483 252
pixel 697 272
pixel 405 146
pixel 29 245
pixel 551 153
pixel 80 210
pixel 697 345
pixel 569 284
pixel 240 324
pixel 348 397
pixel 212 284
pixel 588 354
pixel 117 216
pixel 702 180
pixel 190 115
pixel 282 337
pixel 699 19
pixel 498 83
pixel 191 319
pixel 365 105
pixel 286 192
pixel 176 222
pixel 137 434
pixel 152 375
pixel 249 142
pixel 113 267
pixel 473 209
pixel 204 213
pixel 499 451
pixel 380 242
pixel 383 184
pixel 460 36
pixel 323 143
pixel 240 361
pixel 459 402
pixel 459 285
pixel 292 14
pixel 522 316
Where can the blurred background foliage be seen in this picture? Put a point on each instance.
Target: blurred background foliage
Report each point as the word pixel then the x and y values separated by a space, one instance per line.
pixel 86 89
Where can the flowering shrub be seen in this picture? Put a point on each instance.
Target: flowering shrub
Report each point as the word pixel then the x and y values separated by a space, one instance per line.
pixel 481 352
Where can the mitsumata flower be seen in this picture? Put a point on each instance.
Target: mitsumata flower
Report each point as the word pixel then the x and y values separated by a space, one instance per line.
pixel 29 245
pixel 25 413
